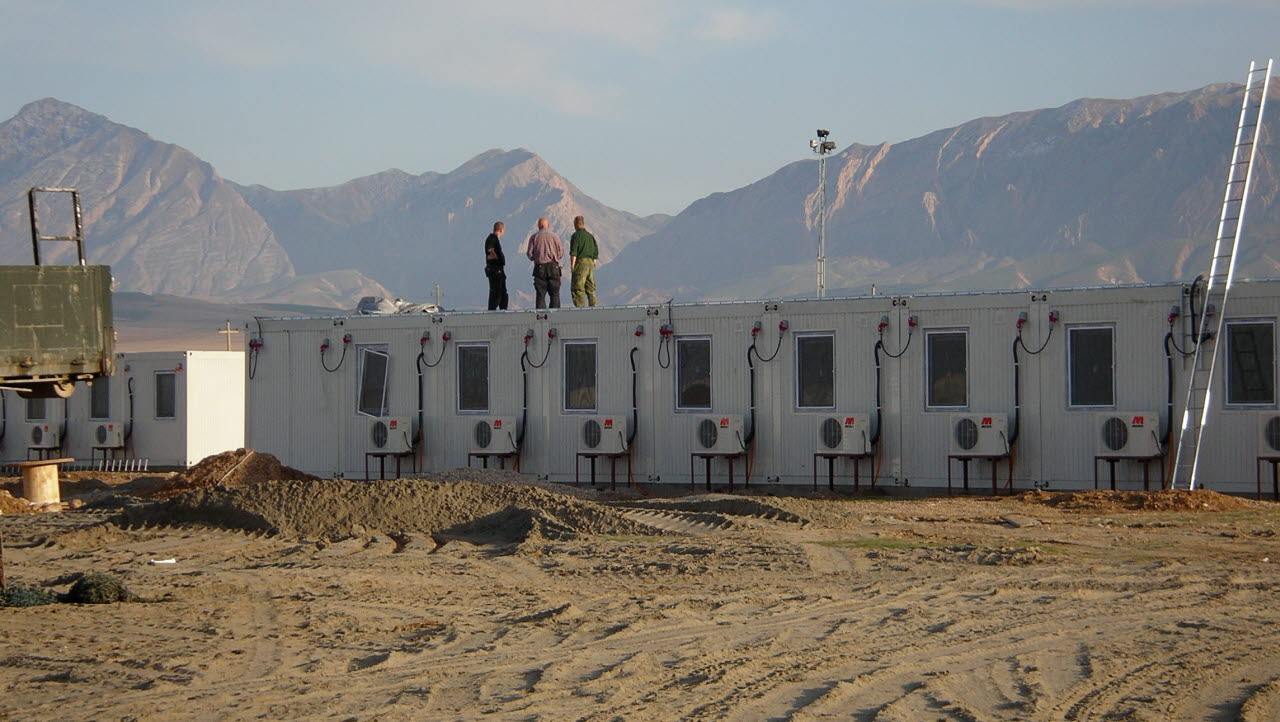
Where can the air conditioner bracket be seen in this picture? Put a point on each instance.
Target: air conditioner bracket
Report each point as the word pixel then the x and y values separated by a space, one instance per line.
pixel 382 462
pixel 707 456
pixel 613 466
pixel 831 457
pixel 964 460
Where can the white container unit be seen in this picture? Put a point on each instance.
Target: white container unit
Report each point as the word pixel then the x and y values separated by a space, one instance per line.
pixel 172 408
pixel 940 356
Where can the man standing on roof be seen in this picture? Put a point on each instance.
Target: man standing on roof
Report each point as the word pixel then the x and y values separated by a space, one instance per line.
pixel 545 250
pixel 495 267
pixel 583 253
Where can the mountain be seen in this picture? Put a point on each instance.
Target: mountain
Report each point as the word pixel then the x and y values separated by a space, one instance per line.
pixel 159 216
pixel 167 223
pixel 413 232
pixel 1096 191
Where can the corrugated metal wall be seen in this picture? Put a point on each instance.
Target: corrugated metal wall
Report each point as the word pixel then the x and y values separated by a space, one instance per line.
pixel 308 416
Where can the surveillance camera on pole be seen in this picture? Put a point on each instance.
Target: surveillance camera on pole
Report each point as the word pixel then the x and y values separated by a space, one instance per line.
pixel 822 147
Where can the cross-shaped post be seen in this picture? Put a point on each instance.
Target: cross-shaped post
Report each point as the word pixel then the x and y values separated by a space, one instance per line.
pixel 227 332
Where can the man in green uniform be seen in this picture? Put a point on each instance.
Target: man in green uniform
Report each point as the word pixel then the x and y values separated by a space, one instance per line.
pixel 582 259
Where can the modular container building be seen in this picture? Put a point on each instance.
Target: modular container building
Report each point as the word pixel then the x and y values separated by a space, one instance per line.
pixel 1034 382
pixel 170 408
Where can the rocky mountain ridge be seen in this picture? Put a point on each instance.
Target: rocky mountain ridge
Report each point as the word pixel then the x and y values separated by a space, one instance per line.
pixel 1096 191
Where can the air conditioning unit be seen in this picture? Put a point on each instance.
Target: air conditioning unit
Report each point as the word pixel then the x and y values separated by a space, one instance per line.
pixel 108 435
pixel 44 435
pixel 603 435
pixel 1133 434
pixel 1269 434
pixel 845 434
pixel 391 435
pixel 494 435
pixel 979 435
pixel 721 434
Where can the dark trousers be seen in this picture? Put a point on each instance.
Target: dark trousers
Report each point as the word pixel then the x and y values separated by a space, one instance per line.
pixel 497 287
pixel 546 282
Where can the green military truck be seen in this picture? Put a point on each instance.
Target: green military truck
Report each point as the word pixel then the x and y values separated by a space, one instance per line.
pixel 55 321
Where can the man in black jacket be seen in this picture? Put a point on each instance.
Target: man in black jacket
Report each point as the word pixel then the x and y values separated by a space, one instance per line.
pixel 495 267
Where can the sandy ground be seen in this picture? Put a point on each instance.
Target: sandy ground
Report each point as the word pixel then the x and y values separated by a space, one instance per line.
pixel 514 602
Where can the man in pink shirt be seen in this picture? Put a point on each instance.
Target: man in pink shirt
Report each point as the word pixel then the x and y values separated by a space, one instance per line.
pixel 545 250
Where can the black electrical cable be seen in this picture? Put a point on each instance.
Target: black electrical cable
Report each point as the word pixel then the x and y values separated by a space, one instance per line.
pixel 1168 382
pixel 751 373
pixel 664 343
pixel 340 359
pixel 1171 339
pixel 875 438
pixel 66 424
pixel 1196 318
pixel 635 413
pixel 422 419
pixel 544 357
pixel 524 398
pixel 776 349
pixel 253 351
pixel 1017 386
pixel 4 418
pixel 889 353
pixel 1021 343
pixel 422 356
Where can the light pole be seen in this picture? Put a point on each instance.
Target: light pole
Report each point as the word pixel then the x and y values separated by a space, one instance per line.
pixel 822 146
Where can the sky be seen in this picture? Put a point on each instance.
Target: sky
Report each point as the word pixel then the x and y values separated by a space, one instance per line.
pixel 645 106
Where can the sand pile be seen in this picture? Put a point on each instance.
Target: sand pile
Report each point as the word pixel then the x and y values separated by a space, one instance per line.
pixel 339 508
pixel 1165 500
pixel 11 505
pixel 229 469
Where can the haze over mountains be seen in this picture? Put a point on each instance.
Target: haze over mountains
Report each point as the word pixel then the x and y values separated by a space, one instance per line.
pixel 1096 191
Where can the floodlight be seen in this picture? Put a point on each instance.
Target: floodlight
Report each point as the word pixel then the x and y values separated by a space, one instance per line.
pixel 813 143
pixel 823 133
pixel 828 145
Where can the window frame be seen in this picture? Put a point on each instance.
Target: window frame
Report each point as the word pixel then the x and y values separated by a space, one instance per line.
pixel 799 384
pixel 44 409
pixel 1070 375
pixel 488 376
pixel 701 338
pixel 595 376
pixel 106 391
pixel 363 351
pixel 929 335
pixel 155 385
pixel 1227 377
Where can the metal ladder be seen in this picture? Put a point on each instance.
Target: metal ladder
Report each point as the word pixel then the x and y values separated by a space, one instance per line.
pixel 1199 406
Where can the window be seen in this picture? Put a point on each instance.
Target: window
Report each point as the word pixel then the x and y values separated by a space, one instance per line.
pixel 166 395
pixel 947 356
pixel 1090 352
pixel 1251 362
pixel 36 409
pixel 580 376
pixel 693 373
pixel 372 362
pixel 100 399
pixel 473 377
pixel 816 371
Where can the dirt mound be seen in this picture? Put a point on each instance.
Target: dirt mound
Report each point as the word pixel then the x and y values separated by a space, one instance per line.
pixel 229 469
pixel 11 505
pixel 339 508
pixel 1165 500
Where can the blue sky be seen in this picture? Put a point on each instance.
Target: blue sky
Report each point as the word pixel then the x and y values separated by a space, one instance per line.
pixel 645 106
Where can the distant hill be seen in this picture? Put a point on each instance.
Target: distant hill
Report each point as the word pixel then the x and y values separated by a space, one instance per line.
pixel 412 232
pixel 167 223
pixel 1093 192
